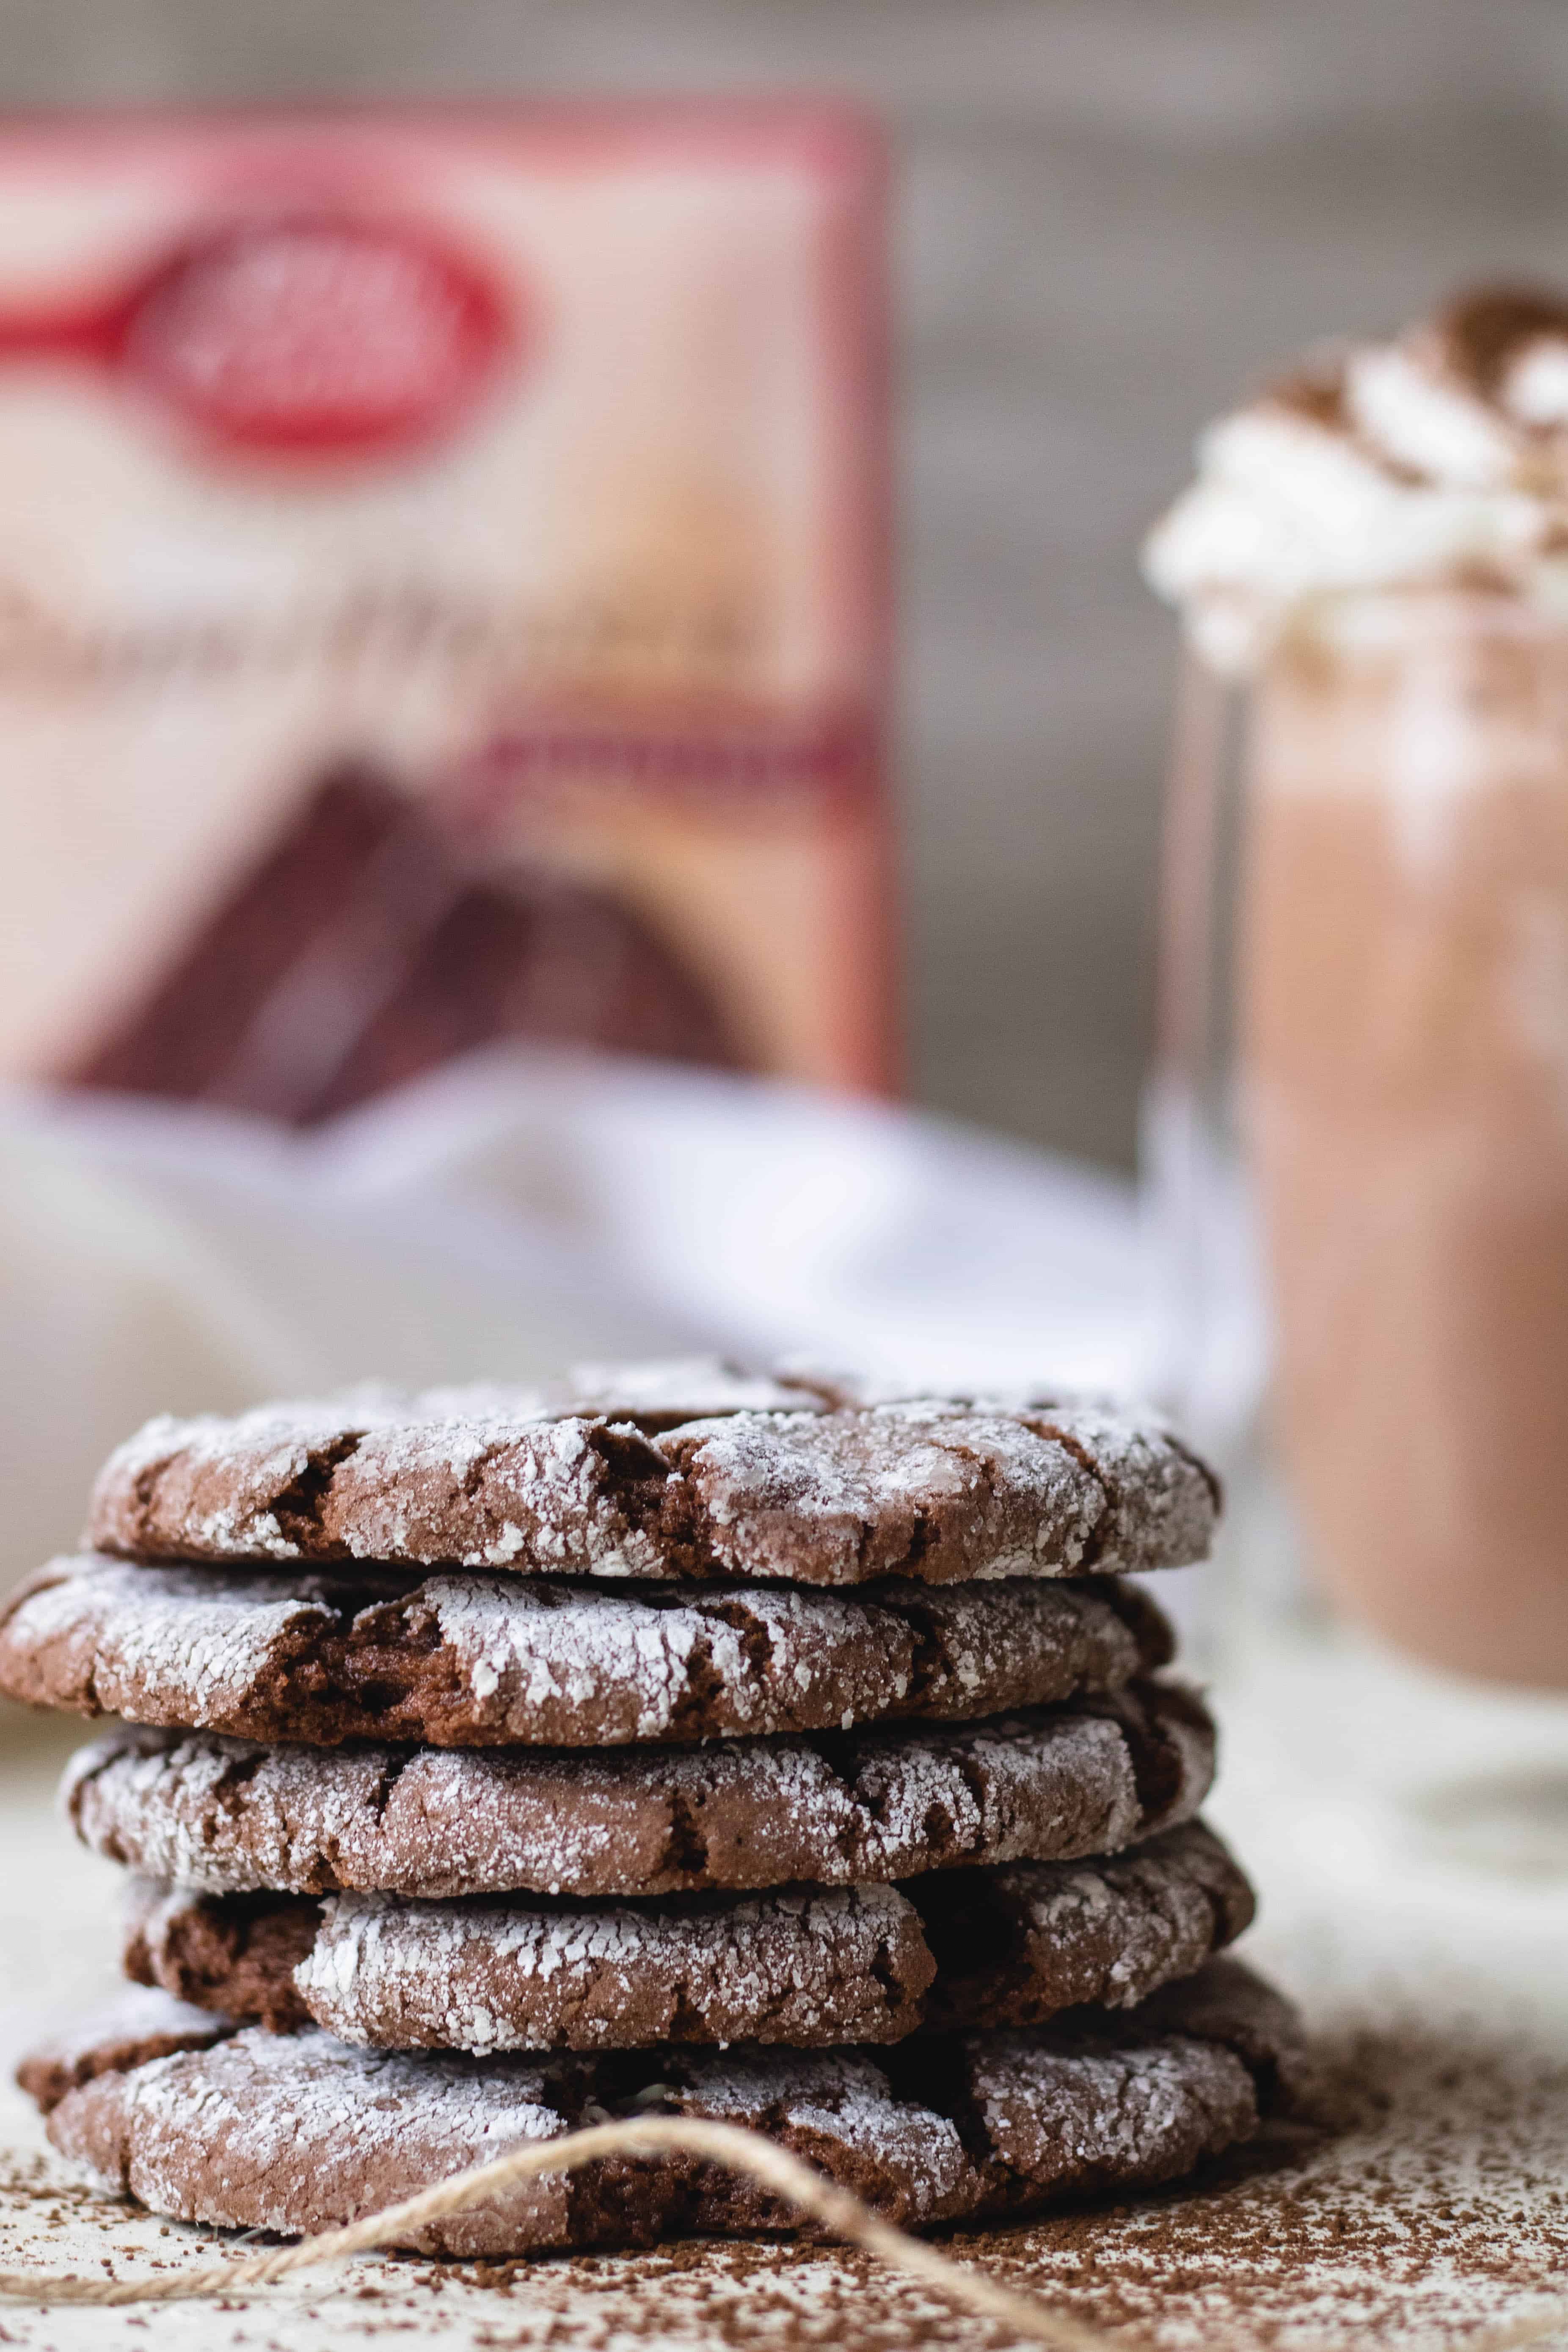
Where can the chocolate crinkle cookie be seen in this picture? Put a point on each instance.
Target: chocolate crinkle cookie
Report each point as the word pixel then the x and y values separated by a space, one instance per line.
pixel 805 1966
pixel 296 2133
pixel 464 1660
pixel 669 1472
pixel 228 1816
pixel 139 2024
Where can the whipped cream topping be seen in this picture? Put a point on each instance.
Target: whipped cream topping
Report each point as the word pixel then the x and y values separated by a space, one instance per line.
pixel 1438 459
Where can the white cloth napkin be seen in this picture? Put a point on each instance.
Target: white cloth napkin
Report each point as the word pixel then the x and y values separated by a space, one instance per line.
pixel 510 1216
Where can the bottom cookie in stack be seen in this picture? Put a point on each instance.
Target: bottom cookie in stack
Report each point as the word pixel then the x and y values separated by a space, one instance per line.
pixel 301 2132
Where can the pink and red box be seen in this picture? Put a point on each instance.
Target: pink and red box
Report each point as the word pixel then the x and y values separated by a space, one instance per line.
pixel 444 596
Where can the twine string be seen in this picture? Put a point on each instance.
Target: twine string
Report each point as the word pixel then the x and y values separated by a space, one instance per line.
pixel 727 2145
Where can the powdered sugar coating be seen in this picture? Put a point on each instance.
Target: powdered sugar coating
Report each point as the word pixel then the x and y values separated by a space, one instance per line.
pixel 470 1660
pixel 103 1638
pixel 892 1491
pixel 226 1815
pixel 1092 2119
pixel 806 1969
pixel 301 2132
pixel 1108 1931
pixel 1018 1944
pixel 786 1481
pixel 278 2128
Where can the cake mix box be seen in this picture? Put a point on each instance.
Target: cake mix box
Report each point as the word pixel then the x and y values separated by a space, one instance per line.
pixel 442 596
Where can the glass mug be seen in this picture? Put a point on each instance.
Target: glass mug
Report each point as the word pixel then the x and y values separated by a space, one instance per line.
pixel 1358 1137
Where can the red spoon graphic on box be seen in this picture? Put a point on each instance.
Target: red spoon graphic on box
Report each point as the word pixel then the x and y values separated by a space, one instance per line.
pixel 310 335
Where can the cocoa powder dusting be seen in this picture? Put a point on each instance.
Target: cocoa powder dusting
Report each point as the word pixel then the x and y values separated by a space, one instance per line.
pixel 1428 2206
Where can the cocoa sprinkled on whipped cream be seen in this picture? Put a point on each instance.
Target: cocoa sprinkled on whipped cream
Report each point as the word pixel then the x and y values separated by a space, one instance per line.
pixel 1437 459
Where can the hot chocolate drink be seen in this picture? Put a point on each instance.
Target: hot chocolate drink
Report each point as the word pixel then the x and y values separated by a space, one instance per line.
pixel 1382 549
pixel 1404 1013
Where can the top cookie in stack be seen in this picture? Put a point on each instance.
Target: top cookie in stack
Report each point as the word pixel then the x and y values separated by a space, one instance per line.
pixel 671 1710
pixel 667 1470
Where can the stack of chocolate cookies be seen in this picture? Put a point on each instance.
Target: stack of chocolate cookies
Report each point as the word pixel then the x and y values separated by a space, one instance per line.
pixel 764 1751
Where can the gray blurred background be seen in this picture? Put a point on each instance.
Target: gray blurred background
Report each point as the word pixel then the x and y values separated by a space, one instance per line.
pixel 1109 215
